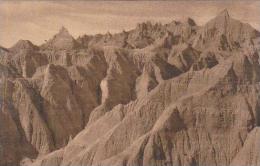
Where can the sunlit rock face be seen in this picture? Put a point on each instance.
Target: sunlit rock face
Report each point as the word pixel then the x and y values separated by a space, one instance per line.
pixel 175 94
pixel 62 41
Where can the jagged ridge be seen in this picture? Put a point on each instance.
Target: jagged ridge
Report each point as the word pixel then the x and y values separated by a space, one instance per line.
pixel 157 94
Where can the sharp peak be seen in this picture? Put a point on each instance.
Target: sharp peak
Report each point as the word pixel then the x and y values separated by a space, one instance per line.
pixel 222 16
pixel 224 13
pixel 63 30
pixel 23 42
pixel 190 21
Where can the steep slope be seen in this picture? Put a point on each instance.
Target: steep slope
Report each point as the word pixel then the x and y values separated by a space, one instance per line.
pixel 249 154
pixel 173 124
pixel 23 45
pixel 225 33
pixel 62 41
pixel 173 94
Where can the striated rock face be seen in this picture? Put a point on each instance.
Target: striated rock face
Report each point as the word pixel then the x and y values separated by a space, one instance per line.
pixel 225 33
pixel 23 45
pixel 249 154
pixel 174 94
pixel 61 41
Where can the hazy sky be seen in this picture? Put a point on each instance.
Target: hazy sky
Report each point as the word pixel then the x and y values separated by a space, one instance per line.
pixel 39 21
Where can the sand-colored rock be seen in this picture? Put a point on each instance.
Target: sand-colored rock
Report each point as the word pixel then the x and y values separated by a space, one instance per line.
pixel 249 154
pixel 175 94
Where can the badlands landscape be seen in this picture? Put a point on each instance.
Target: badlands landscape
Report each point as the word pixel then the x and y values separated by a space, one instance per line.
pixel 175 94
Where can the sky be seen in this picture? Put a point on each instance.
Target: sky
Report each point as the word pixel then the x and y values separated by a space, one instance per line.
pixel 39 21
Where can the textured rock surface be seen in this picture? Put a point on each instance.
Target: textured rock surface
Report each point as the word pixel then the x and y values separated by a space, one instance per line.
pixel 175 94
pixel 249 154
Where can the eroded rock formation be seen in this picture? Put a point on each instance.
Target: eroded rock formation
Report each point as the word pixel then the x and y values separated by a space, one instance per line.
pixel 175 94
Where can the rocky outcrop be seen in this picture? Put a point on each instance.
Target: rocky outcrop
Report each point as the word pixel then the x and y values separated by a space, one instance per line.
pixel 249 154
pixel 23 45
pixel 169 128
pixel 225 33
pixel 173 94
pixel 62 41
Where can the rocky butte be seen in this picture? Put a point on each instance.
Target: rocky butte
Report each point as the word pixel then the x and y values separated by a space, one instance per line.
pixel 176 94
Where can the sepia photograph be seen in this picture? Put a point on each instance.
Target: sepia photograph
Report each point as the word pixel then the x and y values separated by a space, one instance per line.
pixel 130 83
